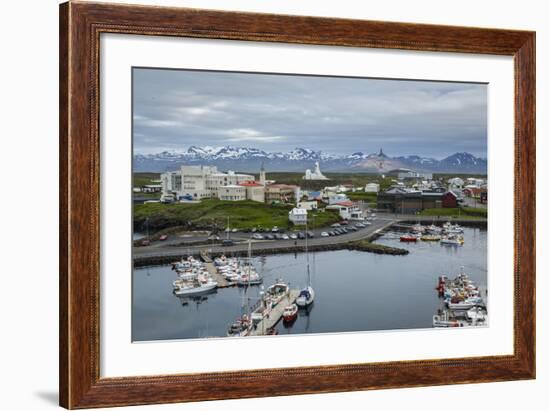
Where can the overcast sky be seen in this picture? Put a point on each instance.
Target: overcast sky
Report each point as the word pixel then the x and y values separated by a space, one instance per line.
pixel 174 109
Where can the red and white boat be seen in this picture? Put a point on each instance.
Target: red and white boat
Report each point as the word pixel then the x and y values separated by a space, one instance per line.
pixel 290 313
pixel 407 238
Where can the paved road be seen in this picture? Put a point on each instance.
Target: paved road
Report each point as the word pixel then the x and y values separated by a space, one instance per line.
pixel 383 220
pixel 156 251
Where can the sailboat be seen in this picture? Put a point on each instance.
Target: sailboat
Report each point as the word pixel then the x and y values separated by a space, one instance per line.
pixel 250 277
pixel 307 295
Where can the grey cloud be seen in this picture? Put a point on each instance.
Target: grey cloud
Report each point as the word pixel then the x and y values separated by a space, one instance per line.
pixel 174 109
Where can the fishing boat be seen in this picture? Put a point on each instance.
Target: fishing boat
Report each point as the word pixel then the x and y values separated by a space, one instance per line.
pixel 450 228
pixel 241 327
pixel 418 228
pixel 407 238
pixel 307 295
pixel 461 305
pixel 476 315
pixel 430 237
pixel 452 240
pixel 249 276
pixel 439 322
pixel 195 287
pixel 276 292
pixel 290 313
pixel 433 229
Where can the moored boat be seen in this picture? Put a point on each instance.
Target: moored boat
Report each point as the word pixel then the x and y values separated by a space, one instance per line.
pixel 407 238
pixel 290 313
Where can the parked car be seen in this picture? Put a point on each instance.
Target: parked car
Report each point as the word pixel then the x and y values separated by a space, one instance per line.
pixel 335 225
pixel 270 236
pixel 285 237
pixel 310 234
pixel 278 236
pixel 163 237
pixel 234 230
pixel 352 228
pixel 301 236
pixel 293 236
pixel 275 229
pixel 344 222
pixel 257 236
pixel 331 233
pixel 324 234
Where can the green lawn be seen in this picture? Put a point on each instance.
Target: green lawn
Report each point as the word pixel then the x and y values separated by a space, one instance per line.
pixel 214 213
pixel 142 179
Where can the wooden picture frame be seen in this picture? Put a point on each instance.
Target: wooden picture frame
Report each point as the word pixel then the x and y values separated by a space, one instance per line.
pixel 80 27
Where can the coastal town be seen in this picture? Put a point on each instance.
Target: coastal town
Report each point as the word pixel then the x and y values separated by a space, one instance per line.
pixel 407 205
pixel 271 204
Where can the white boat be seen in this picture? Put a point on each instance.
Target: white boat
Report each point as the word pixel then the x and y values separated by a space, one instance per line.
pixel 241 327
pixel 476 315
pixel 439 322
pixel 462 305
pixel 452 240
pixel 276 292
pixel 307 295
pixel 195 288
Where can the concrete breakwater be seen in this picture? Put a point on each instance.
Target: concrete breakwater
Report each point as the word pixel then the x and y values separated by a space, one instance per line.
pixel 359 245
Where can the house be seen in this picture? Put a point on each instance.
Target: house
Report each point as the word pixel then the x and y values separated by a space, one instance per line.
pixel 347 210
pixel 372 188
pixel 307 205
pixel 337 198
pixel 456 182
pixel 298 216
pixel 283 193
pixel 254 191
pixel 232 193
pixel 449 200
pixel 314 195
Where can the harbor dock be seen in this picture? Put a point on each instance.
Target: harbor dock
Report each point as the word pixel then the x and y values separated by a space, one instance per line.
pixel 222 282
pixel 275 315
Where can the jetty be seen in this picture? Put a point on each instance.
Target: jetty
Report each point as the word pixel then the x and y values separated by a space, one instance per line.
pixel 213 271
pixel 270 320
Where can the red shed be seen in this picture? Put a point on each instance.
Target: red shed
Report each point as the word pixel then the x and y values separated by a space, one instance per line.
pixel 449 200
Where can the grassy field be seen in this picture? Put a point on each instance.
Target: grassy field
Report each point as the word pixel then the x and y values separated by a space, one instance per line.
pixel 141 179
pixel 456 212
pixel 210 214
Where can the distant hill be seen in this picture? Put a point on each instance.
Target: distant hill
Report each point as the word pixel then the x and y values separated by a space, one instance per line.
pixel 250 160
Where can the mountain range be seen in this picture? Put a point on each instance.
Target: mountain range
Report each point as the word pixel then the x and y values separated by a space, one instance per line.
pixel 248 159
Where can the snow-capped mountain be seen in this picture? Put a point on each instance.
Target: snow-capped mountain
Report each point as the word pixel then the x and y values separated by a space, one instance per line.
pixel 250 159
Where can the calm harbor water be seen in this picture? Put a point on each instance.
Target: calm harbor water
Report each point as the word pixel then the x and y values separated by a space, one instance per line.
pixel 355 291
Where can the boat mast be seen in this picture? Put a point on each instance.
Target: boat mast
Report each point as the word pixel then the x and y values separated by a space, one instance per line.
pixel 307 258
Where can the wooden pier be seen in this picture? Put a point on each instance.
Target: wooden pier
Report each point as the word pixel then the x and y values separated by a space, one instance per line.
pixel 275 315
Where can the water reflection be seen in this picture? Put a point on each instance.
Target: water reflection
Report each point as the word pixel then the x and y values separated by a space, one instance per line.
pixel 355 291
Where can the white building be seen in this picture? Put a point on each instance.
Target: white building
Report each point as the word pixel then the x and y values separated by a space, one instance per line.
pixel 456 182
pixel 232 193
pixel 347 211
pixel 307 205
pixel 372 188
pixel 298 216
pixel 254 191
pixel 337 198
pixel 198 182
pixel 314 175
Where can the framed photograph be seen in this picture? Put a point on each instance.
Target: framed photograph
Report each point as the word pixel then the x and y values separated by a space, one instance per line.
pixel 257 205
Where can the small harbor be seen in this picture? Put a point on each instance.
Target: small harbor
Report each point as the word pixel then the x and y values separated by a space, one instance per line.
pixel 355 291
